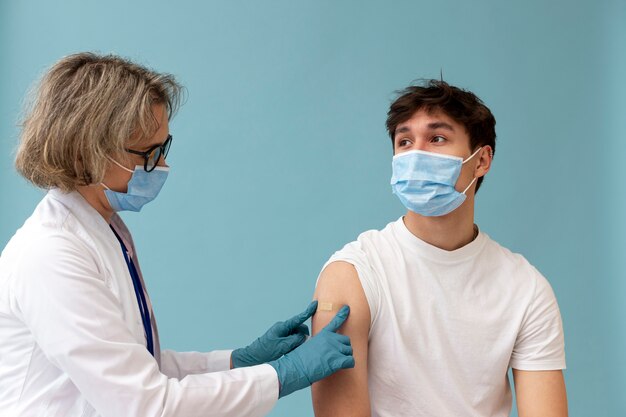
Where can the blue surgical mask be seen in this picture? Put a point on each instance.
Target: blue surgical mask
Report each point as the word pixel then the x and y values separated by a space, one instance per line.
pixel 143 187
pixel 424 181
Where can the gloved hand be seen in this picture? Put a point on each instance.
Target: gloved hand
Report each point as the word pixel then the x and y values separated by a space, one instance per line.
pixel 323 355
pixel 281 338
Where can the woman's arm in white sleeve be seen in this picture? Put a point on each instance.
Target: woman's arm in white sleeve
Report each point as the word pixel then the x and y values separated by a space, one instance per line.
pixel 180 364
pixel 77 322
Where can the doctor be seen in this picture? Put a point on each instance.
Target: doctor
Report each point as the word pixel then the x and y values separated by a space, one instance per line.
pixel 77 333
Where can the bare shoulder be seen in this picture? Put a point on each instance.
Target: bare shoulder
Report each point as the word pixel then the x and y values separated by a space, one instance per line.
pixel 338 276
pixel 339 284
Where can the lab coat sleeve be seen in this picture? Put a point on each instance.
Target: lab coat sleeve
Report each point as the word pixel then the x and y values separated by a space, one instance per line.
pixel 180 364
pixel 77 322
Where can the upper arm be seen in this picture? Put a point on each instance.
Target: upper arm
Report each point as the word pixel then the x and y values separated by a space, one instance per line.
pixel 539 355
pixel 345 392
pixel 540 393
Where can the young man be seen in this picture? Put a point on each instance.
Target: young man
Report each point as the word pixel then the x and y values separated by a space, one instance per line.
pixel 439 311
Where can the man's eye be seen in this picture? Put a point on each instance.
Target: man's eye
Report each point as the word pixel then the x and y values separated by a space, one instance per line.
pixel 403 142
pixel 438 139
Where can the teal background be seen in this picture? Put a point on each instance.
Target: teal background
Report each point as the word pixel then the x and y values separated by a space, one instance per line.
pixel 280 154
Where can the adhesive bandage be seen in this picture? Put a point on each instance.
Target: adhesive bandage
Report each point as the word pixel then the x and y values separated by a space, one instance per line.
pixel 325 306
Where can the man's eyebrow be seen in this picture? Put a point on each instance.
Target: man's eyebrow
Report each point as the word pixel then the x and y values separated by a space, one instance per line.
pixel 403 129
pixel 440 125
pixel 430 126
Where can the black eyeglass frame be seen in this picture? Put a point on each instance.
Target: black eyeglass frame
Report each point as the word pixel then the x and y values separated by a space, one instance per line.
pixel 164 150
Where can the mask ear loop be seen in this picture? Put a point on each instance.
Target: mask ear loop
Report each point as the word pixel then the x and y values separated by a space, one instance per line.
pixel 470 184
pixel 122 166
pixel 473 155
pixel 475 178
pixel 119 165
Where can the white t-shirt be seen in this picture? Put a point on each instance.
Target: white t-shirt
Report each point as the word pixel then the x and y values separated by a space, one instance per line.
pixel 447 325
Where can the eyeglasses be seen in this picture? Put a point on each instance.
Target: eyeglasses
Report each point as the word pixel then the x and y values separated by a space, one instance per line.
pixel 153 155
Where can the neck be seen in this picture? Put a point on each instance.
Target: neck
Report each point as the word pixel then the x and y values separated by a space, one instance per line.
pixel 449 232
pixel 94 195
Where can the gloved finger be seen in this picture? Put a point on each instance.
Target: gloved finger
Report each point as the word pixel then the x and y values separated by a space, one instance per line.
pixel 345 349
pixel 277 328
pixel 338 320
pixel 347 362
pixel 301 329
pixel 299 319
pixel 342 339
pixel 343 362
pixel 289 343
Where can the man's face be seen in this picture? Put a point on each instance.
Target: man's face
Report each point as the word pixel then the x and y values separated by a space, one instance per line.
pixel 438 133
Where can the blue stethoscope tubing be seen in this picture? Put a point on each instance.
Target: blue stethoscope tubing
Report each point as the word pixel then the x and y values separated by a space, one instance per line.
pixel 140 294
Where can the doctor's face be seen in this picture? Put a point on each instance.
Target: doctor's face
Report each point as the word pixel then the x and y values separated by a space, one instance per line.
pixel 116 178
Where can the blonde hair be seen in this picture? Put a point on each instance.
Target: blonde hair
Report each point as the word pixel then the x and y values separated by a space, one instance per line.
pixel 89 107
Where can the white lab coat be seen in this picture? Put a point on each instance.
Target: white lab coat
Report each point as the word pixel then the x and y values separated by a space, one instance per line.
pixel 72 341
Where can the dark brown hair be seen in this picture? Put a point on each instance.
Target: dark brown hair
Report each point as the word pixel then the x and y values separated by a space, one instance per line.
pixel 462 106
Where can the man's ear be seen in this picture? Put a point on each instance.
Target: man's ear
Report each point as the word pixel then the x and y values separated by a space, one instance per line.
pixel 485 156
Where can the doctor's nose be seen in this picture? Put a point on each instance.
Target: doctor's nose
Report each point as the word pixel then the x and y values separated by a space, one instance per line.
pixel 162 162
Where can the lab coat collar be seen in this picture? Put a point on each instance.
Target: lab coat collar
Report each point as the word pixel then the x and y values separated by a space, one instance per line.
pixel 89 217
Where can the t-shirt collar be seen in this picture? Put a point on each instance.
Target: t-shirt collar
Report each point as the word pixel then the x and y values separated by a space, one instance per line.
pixel 433 253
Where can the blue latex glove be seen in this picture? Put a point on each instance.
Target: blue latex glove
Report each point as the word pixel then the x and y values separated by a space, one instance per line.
pixel 281 338
pixel 324 354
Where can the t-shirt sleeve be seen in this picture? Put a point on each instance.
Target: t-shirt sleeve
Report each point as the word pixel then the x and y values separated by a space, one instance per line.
pixel 540 344
pixel 354 254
